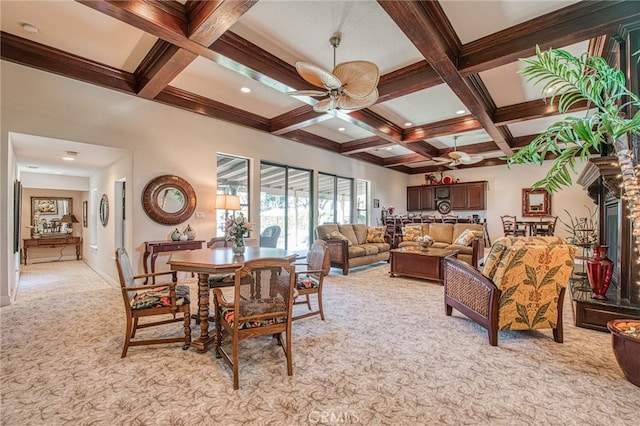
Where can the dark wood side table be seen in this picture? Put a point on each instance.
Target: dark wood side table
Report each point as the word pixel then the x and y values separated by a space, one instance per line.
pixel 153 248
pixel 48 242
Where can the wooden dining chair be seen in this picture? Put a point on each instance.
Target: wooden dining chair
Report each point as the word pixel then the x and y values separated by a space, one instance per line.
pixel 428 218
pixel 546 227
pixel 511 228
pixel 259 304
pixel 310 278
pixel 153 300
pixel 449 218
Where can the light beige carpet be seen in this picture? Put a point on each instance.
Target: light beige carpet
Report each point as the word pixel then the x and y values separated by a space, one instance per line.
pixel 386 354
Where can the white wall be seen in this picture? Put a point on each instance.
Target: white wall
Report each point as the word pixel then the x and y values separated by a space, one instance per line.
pixel 162 140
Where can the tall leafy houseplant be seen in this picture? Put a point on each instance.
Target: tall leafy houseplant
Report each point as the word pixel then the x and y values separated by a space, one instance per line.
pixel 568 80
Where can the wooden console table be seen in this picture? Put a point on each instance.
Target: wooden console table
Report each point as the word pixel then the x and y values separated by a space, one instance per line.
pixel 153 248
pixel 48 242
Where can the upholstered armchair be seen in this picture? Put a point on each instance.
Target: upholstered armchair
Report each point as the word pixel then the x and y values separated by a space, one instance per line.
pixel 521 286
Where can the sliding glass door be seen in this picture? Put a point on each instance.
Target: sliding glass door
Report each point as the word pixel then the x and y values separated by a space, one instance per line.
pixel 335 199
pixel 286 201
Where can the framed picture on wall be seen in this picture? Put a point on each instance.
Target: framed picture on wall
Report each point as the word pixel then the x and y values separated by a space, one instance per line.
pixel 17 210
pixel 85 213
pixel 46 206
pixel 376 203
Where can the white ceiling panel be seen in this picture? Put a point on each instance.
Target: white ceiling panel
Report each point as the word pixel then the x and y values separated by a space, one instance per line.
pixel 74 28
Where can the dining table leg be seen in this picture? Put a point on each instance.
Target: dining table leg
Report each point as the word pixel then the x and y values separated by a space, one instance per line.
pixel 202 343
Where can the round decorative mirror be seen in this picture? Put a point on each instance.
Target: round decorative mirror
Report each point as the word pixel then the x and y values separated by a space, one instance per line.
pixel 104 210
pixel 168 200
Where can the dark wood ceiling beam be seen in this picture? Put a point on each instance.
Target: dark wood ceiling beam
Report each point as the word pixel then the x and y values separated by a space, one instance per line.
pixel 204 106
pixel 476 148
pixel 208 21
pixel 531 110
pixel 25 52
pixel 572 24
pixel 403 159
pixel 410 79
pixel 312 140
pixel 368 158
pixel 423 148
pixel 371 122
pixel 365 144
pixel 297 119
pixel 441 128
pixel 161 65
pixel 425 24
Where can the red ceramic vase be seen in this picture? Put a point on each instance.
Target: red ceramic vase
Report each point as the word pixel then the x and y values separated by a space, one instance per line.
pixel 599 271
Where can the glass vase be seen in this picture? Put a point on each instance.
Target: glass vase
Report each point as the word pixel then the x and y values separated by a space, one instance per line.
pixel 238 247
pixel 599 271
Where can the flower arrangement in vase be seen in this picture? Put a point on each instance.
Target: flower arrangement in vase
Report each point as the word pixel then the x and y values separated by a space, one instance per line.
pixel 235 229
pixel 425 242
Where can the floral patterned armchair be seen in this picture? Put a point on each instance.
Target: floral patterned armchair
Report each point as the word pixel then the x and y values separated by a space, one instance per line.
pixel 521 286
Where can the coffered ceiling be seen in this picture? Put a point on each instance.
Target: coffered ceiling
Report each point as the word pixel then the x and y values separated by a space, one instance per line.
pixel 448 68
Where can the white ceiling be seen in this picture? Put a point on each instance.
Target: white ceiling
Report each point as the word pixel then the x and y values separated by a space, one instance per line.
pixel 292 31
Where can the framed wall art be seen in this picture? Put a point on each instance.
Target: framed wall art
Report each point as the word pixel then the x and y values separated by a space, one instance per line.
pixel 85 213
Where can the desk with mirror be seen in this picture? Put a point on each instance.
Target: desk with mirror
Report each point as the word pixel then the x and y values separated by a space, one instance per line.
pixel 51 226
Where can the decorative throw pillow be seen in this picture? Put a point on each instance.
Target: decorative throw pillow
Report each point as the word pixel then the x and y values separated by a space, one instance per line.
pixel 411 233
pixel 375 234
pixel 336 235
pixel 467 237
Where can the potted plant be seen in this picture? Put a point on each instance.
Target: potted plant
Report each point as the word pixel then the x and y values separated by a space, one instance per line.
pixel 568 80
pixel 625 339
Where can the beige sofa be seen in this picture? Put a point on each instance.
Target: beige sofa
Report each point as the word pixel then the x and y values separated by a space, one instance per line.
pixel 471 250
pixel 352 245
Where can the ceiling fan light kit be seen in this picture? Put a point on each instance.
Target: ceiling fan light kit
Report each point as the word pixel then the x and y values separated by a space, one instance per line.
pixel 350 86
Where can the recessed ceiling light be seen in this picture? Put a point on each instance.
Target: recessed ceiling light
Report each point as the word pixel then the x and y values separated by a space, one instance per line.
pixel 389 148
pixel 245 90
pixel 341 129
pixel 408 123
pixel 460 111
pixel 68 158
pixel 32 29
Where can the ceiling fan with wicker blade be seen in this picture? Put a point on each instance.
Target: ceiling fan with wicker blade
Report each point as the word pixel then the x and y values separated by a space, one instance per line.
pixel 456 158
pixel 350 86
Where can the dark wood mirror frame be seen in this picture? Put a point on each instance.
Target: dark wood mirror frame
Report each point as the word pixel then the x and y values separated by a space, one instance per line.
pixel 104 210
pixel 155 211
pixel 535 202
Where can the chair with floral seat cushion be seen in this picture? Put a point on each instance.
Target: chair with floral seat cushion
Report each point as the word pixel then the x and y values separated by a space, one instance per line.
pixel 521 286
pixel 260 303
pixel 166 300
pixel 310 278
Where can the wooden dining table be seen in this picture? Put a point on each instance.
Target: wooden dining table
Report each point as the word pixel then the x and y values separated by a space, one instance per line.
pixel 209 261
pixel 531 224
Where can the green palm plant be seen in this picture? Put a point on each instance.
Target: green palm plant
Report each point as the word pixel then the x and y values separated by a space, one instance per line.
pixel 568 80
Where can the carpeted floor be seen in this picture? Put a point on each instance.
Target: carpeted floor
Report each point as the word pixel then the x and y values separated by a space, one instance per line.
pixel 386 354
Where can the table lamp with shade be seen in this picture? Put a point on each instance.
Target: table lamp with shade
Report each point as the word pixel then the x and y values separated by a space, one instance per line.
pixel 227 202
pixel 69 219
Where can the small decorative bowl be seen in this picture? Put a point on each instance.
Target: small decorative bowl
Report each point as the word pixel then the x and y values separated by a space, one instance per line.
pixel 625 340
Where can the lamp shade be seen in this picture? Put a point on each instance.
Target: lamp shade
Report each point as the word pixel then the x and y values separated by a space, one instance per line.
pixel 69 218
pixel 227 202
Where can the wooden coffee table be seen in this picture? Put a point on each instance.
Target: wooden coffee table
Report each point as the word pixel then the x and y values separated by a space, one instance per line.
pixel 417 263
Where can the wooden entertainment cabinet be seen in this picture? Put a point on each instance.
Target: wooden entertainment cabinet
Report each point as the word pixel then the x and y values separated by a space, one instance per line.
pixel 462 196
